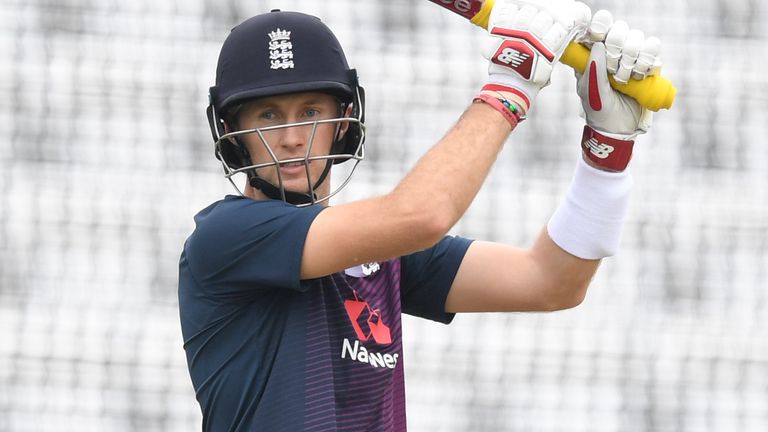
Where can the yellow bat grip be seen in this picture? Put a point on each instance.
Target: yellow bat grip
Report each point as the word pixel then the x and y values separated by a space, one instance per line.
pixel 654 92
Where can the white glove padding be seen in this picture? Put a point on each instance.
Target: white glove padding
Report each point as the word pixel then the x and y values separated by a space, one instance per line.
pixel 613 114
pixel 526 38
pixel 630 54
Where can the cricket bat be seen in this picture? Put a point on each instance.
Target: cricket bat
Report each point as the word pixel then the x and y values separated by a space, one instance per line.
pixel 654 92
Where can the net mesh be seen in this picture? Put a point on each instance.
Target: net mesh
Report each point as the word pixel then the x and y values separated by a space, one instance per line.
pixel 106 156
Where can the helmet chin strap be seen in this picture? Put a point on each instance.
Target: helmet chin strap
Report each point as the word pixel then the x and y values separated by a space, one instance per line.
pixel 295 198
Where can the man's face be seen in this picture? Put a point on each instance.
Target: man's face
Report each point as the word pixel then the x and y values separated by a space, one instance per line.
pixel 291 142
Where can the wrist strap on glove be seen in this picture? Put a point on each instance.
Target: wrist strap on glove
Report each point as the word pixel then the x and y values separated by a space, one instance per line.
pixel 606 152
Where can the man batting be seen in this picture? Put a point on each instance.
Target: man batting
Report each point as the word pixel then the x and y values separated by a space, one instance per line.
pixel 291 307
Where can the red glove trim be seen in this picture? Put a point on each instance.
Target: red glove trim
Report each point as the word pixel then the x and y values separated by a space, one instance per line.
pixel 526 36
pixel 595 102
pixel 606 152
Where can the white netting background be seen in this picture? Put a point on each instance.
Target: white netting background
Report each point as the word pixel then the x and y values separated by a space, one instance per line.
pixel 106 156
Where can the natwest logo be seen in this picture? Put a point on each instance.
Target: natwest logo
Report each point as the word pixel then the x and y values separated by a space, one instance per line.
pixel 367 321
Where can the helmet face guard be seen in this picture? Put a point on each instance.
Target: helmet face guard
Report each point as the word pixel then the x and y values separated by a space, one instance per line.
pixel 280 53
pixel 229 147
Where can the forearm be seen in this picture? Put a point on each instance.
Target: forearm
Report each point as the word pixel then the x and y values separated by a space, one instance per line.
pixel 567 276
pixel 495 277
pixel 448 177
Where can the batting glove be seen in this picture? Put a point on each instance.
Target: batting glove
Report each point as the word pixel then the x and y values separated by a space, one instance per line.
pixel 614 120
pixel 525 39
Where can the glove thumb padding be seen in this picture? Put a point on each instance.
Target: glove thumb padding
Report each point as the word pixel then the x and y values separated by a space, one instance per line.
pixel 595 86
pixel 607 110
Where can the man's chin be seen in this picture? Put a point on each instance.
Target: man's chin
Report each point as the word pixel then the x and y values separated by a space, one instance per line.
pixel 293 188
pixel 297 191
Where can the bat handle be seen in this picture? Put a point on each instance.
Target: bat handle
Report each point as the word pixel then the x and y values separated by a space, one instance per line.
pixel 653 92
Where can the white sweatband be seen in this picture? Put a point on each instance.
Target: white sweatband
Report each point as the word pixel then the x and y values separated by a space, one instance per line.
pixel 589 221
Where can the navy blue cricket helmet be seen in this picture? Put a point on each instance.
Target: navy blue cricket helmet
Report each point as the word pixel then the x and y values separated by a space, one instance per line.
pixel 279 53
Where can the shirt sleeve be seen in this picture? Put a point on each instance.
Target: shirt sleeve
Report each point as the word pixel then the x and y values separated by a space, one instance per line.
pixel 241 245
pixel 427 276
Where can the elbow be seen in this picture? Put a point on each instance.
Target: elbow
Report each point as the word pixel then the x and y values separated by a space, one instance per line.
pixel 432 226
pixel 439 217
pixel 575 298
pixel 424 224
pixel 566 296
pixel 564 279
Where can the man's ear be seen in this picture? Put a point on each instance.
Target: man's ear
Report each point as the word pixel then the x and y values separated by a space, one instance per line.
pixel 228 129
pixel 344 126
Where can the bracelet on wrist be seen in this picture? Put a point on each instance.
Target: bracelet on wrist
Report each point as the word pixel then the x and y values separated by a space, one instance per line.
pixel 511 112
pixel 509 93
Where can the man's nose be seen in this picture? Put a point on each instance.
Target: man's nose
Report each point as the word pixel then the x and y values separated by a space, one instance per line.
pixel 295 136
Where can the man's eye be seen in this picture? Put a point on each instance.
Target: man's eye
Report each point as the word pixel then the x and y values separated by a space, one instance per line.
pixel 312 113
pixel 267 115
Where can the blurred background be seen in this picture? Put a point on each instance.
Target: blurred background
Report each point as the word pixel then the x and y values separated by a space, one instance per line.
pixel 106 155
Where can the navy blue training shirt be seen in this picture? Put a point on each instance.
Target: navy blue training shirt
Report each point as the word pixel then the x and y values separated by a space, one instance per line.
pixel 268 351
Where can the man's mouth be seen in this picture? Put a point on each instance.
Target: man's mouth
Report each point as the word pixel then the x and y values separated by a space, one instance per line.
pixel 294 168
pixel 293 164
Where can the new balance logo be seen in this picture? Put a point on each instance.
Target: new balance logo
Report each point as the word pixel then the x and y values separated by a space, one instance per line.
pixel 512 57
pixel 515 55
pixel 600 150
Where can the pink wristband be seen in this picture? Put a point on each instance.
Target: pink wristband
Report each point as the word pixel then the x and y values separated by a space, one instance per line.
pixel 502 88
pixel 509 111
pixel 606 152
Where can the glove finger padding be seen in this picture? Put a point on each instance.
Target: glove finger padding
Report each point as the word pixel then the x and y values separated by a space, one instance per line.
pixel 648 61
pixel 607 110
pixel 614 43
pixel 630 54
pixel 633 44
pixel 598 28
